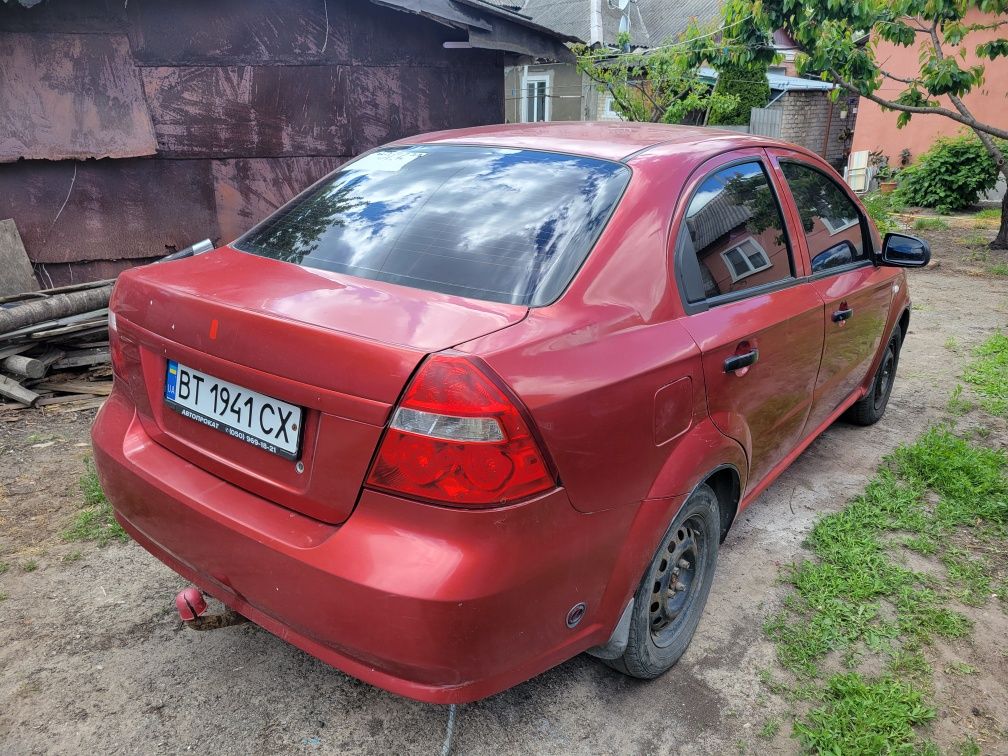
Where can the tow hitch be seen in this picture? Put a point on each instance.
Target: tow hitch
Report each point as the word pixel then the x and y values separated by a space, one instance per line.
pixel 192 608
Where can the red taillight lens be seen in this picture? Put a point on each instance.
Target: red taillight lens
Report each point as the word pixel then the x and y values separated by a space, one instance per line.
pixel 456 438
pixel 116 351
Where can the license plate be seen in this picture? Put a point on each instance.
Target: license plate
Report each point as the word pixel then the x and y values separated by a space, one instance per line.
pixel 247 415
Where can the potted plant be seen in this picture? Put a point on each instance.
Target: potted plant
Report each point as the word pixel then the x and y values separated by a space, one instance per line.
pixel 884 173
pixel 887 179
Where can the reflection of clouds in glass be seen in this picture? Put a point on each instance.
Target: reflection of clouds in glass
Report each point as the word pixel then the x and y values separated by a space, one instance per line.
pixel 501 224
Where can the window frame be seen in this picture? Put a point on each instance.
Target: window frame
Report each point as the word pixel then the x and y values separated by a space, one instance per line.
pixel 690 280
pixel 544 77
pixel 867 241
pixel 748 260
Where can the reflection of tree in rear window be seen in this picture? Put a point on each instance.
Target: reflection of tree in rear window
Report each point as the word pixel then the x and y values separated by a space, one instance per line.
pixel 504 225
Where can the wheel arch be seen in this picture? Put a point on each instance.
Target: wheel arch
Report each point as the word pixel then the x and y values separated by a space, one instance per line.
pixel 904 323
pixel 726 483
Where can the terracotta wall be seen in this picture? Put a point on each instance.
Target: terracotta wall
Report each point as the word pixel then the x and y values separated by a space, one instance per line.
pixel 877 129
pixel 131 129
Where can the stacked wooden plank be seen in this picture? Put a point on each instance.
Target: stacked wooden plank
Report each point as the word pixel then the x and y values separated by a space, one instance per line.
pixel 54 347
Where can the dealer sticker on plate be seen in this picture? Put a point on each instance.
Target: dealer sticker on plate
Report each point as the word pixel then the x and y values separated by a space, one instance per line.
pixel 247 415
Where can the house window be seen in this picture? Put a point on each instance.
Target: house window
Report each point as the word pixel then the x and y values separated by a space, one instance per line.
pixel 745 259
pixel 536 105
pixel 836 225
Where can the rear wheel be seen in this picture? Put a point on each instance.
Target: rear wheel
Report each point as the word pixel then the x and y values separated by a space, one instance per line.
pixel 671 597
pixel 869 409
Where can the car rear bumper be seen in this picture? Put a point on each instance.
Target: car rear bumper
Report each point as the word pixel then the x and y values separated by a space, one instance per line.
pixel 437 604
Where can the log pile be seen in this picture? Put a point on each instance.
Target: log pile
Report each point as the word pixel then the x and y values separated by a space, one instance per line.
pixel 54 347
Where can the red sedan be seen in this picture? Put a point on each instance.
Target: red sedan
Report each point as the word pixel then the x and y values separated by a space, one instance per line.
pixel 482 400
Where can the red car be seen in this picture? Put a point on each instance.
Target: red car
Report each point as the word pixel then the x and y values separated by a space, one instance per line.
pixel 482 400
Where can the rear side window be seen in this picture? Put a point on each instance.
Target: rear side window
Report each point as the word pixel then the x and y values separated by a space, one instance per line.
pixel 733 237
pixel 831 221
pixel 505 225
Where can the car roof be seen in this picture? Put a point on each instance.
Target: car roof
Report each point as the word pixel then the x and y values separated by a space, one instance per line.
pixel 610 140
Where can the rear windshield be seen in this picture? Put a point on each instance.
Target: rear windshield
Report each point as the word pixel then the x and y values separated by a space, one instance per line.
pixel 504 225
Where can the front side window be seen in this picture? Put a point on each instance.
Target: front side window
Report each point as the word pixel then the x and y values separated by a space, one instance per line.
pixel 504 225
pixel 830 219
pixel 733 234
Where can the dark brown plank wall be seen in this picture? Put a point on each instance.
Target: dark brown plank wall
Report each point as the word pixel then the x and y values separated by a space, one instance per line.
pixel 249 101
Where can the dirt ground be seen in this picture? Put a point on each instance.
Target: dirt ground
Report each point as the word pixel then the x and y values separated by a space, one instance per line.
pixel 93 658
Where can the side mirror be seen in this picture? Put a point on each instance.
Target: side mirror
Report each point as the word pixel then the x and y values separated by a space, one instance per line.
pixel 904 251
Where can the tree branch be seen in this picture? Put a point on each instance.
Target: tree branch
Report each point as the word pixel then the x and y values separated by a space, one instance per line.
pixel 892 105
pixel 899 78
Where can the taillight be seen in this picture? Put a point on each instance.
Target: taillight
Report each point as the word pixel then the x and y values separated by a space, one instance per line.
pixel 116 351
pixel 456 438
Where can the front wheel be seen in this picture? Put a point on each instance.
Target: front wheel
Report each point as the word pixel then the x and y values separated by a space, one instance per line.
pixel 869 409
pixel 672 595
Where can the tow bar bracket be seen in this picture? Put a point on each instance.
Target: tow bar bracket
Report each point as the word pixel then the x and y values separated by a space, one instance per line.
pixel 192 606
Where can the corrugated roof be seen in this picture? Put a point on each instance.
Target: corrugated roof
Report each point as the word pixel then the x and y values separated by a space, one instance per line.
pixel 652 22
pixel 780 82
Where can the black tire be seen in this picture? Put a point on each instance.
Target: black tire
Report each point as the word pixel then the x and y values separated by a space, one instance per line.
pixel 869 409
pixel 664 619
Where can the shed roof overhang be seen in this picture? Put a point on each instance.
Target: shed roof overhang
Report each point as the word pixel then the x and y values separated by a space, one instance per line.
pixel 492 27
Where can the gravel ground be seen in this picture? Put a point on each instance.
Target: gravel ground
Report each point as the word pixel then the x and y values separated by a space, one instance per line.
pixel 93 658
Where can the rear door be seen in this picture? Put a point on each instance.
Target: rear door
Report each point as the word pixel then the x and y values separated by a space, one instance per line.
pixel 857 294
pixel 756 319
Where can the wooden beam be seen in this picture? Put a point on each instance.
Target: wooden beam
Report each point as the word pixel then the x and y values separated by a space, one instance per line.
pixel 14 390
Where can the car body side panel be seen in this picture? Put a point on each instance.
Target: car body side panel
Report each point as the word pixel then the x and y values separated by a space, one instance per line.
pixel 851 345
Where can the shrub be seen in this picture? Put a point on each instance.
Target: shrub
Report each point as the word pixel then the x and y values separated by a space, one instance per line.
pixel 880 208
pixel 950 176
pixel 749 84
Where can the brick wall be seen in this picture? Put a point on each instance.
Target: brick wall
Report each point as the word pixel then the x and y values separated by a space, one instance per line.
pixel 806 117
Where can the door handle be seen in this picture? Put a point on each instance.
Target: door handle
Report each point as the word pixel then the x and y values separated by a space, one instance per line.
pixel 739 361
pixel 841 315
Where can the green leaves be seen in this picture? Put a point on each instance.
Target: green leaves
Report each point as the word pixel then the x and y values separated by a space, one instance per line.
pixel 663 84
pixel 950 176
pixel 944 76
pixel 993 49
pixel 897 32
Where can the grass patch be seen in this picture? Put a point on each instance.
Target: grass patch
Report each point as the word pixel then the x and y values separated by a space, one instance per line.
pixel 30 566
pixel 934 497
pixel 988 374
pixel 862 716
pixel 988 213
pixel 770 728
pixel 95 521
pixel 4 566
pixel 930 224
pixel 999 269
pixel 975 240
pixel 956 404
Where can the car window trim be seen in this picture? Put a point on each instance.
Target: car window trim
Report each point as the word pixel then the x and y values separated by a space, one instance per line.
pixel 691 308
pixel 845 268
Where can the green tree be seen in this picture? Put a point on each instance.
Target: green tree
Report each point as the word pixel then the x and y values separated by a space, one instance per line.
pixel 658 85
pixel 746 81
pixel 838 41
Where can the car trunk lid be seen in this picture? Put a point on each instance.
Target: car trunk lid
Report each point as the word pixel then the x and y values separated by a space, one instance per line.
pixel 339 347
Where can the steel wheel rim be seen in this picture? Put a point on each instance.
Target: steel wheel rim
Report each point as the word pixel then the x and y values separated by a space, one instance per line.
pixel 676 580
pixel 887 373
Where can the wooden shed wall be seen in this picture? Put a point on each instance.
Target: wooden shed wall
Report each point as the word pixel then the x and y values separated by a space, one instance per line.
pixel 248 103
